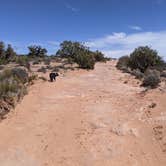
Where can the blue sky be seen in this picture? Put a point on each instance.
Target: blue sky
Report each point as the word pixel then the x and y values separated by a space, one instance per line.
pixel 115 27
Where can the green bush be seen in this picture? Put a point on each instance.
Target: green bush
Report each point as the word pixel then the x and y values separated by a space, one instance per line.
pixel 7 54
pixel 122 63
pixel 56 69
pixel 144 63
pixel 37 51
pixel 3 61
pixel 32 78
pixel 12 88
pixel 47 61
pixel 43 78
pixel 160 67
pixel 49 67
pixel 151 78
pixel 21 60
pixel 144 57
pixel 99 56
pixel 70 61
pixel 11 79
pixel 8 86
pixel 78 53
pixel 20 74
pixel 1 67
pixel 42 70
pixel 137 73
pixel 5 107
pixel 36 62
pixel 85 61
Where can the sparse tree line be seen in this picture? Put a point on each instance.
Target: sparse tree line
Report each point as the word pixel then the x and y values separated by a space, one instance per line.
pixel 6 54
pixel 145 64
pixel 75 52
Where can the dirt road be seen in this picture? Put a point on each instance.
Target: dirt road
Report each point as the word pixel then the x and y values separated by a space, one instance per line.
pixel 86 118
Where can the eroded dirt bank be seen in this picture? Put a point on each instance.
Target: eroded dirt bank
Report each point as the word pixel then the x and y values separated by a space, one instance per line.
pixel 87 118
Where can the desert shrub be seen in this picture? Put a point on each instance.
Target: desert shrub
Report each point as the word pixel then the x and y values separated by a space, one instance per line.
pixel 37 51
pixel 15 75
pixel 137 73
pixel 47 61
pixel 10 93
pixel 8 86
pixel 108 58
pixel 49 67
pixel 7 54
pixel 151 78
pixel 57 59
pixel 13 78
pixel 28 66
pixel 144 57
pixel 43 78
pixel 5 74
pixel 36 62
pixel 56 69
pixel 78 52
pixel 4 108
pixel 23 60
pixel 3 61
pixel 12 88
pixel 62 67
pixel 85 61
pixel 70 61
pixel 99 56
pixel 122 63
pixel 163 74
pixel 42 70
pixel 1 67
pixel 145 63
pixel 150 71
pixel 160 67
pixel 32 78
pixel 69 68
pixel 21 74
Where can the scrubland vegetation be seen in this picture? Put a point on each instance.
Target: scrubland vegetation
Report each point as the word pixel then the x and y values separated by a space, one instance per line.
pixel 14 80
pixel 76 52
pixel 145 64
pixel 13 86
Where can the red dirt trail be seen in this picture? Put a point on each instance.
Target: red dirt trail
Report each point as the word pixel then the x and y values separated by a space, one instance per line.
pixel 86 118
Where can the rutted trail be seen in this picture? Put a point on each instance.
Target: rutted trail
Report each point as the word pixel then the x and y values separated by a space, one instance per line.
pixel 87 118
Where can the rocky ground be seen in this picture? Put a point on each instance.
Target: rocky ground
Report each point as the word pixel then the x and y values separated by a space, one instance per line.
pixel 87 118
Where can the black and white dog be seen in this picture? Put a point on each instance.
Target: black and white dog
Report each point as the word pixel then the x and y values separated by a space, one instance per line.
pixel 53 76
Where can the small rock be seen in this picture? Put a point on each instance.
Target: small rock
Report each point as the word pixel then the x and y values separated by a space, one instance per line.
pixel 152 105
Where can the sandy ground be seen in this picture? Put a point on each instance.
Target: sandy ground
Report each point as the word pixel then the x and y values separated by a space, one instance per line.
pixel 86 118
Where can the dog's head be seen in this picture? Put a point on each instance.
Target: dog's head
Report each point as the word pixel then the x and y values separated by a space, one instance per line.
pixel 56 74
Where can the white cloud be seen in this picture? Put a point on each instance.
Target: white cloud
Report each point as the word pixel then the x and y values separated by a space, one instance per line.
pixel 116 53
pixel 137 28
pixel 119 44
pixel 73 9
pixel 53 43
